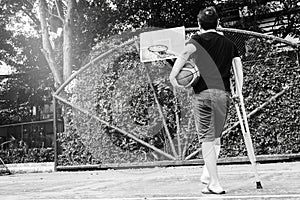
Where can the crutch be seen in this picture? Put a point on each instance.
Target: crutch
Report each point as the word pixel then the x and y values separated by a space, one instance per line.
pixel 245 129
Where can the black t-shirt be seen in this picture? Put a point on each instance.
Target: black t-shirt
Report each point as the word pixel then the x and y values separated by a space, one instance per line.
pixel 213 57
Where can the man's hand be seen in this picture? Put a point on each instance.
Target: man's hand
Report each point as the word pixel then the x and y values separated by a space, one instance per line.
pixel 179 63
pixel 175 83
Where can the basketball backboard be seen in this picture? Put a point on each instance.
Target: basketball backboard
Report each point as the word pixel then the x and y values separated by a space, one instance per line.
pixel 161 44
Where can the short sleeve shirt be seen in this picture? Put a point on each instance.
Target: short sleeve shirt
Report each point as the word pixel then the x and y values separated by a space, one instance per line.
pixel 213 56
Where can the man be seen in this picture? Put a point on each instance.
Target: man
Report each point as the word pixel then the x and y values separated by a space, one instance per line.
pixel 214 55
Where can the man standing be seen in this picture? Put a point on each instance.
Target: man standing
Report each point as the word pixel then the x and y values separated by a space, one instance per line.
pixel 214 55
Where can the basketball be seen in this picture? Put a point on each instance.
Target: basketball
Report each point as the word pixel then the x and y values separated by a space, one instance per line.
pixel 188 75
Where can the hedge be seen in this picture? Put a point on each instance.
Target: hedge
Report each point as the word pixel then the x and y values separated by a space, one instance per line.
pixel 22 155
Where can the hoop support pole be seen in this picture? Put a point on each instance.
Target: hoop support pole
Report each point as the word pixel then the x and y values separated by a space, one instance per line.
pixel 55 131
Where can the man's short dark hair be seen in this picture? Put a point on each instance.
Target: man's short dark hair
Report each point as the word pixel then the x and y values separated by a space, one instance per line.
pixel 208 18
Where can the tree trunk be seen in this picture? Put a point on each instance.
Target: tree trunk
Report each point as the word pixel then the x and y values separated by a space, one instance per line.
pixel 67 47
pixel 47 47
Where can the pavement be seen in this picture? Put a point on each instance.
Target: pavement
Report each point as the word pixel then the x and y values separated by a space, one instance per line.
pixel 279 181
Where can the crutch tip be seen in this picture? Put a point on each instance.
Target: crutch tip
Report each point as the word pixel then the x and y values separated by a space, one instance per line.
pixel 258 185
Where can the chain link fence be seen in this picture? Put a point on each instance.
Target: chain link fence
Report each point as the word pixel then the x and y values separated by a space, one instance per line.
pixel 120 111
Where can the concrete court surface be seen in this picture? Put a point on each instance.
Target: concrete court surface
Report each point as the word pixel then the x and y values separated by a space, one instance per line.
pixel 280 181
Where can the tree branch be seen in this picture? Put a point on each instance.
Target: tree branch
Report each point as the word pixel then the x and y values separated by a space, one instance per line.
pixel 47 48
pixel 59 11
pixel 58 17
pixel 28 11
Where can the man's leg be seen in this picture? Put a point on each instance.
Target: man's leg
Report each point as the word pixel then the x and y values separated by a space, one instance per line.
pixel 210 159
pixel 205 117
pixel 205 175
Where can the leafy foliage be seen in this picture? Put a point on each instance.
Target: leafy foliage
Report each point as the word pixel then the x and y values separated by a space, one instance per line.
pixel 274 128
pixel 31 82
pixel 283 15
pixel 21 155
pixel 160 13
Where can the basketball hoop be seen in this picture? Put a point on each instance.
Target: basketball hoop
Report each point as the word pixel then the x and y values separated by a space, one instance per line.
pixel 160 50
pixel 161 44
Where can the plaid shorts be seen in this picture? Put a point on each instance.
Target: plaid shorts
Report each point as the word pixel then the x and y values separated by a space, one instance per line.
pixel 210 109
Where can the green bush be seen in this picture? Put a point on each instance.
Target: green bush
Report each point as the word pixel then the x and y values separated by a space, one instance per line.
pixel 22 155
pixel 275 128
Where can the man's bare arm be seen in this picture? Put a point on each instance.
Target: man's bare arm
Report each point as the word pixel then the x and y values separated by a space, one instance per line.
pixel 180 61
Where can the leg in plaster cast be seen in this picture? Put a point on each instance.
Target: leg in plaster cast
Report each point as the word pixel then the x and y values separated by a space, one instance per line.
pixel 205 175
pixel 210 159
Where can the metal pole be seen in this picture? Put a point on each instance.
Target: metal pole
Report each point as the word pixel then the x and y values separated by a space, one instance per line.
pixel 22 133
pixel 298 56
pixel 93 61
pixel 55 132
pixel 161 112
pixel 178 128
pixel 87 112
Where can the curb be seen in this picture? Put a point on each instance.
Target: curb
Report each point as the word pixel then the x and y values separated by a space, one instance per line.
pixel 49 166
pixel 222 161
pixel 31 167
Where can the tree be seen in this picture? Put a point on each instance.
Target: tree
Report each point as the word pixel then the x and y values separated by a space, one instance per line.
pixel 31 84
pixel 285 14
pixel 290 23
pixel 160 13
pixel 77 25
pixel 69 29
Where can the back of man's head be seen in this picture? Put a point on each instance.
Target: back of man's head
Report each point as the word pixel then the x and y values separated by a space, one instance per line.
pixel 208 18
